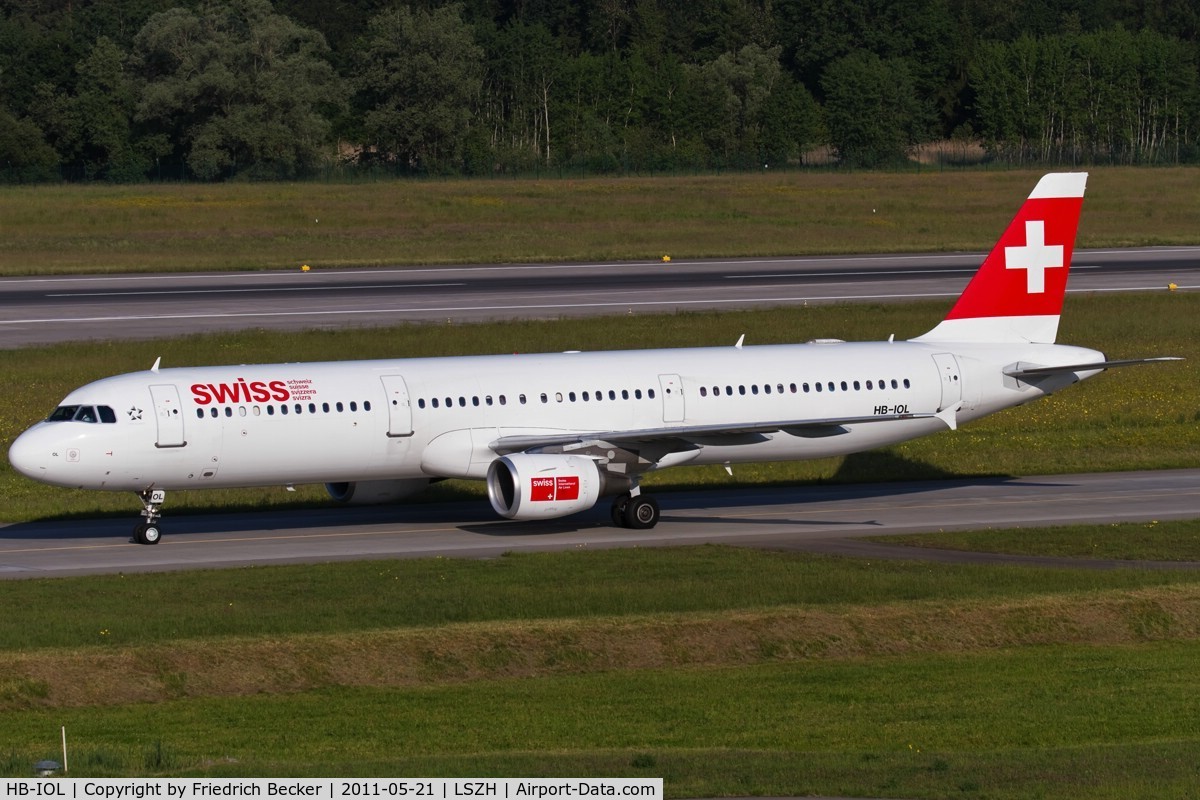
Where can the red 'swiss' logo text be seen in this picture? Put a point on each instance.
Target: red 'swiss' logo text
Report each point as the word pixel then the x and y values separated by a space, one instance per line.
pixel 242 391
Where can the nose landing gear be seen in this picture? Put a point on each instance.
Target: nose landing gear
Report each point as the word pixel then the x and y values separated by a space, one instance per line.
pixel 148 532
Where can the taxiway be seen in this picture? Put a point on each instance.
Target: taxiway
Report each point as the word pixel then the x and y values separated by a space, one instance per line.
pixel 826 519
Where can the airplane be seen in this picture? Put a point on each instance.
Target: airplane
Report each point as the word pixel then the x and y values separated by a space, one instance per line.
pixel 553 433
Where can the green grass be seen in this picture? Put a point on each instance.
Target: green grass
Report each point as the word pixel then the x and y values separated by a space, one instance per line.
pixel 1171 540
pixel 384 595
pixel 1072 722
pixel 727 672
pixel 163 227
pixel 1134 418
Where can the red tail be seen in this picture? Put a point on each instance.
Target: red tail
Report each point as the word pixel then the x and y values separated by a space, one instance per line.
pixel 1017 294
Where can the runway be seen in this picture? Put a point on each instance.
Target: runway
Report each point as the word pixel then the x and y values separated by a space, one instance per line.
pixel 75 308
pixel 819 519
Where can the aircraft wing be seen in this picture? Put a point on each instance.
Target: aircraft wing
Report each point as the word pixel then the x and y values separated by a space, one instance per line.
pixel 691 437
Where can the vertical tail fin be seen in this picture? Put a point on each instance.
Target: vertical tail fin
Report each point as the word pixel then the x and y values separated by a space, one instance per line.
pixel 1017 294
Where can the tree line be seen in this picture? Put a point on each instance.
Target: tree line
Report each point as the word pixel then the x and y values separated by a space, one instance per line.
pixel 220 89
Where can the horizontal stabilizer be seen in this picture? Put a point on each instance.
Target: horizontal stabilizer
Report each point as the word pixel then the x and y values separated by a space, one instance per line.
pixel 1035 372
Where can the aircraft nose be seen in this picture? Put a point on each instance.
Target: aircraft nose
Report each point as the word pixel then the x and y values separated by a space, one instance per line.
pixel 28 456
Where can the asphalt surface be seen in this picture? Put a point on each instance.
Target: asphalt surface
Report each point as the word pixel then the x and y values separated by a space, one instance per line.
pixel 830 520
pixel 76 308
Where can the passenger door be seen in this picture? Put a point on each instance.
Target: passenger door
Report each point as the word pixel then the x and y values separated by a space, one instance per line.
pixel 168 414
pixel 399 406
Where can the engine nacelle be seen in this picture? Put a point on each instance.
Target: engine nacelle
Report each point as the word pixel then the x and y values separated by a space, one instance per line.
pixel 543 486
pixel 365 493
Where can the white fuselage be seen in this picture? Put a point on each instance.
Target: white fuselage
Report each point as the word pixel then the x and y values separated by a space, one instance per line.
pixel 399 419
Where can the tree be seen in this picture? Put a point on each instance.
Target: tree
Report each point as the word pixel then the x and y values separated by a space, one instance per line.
pixel 25 157
pixel 419 76
pixel 103 106
pixel 740 84
pixel 515 103
pixel 236 89
pixel 37 47
pixel 871 109
pixel 791 123
pixel 1108 95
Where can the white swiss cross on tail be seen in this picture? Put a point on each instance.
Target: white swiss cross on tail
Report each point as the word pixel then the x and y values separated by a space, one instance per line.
pixel 1035 257
pixel 1017 294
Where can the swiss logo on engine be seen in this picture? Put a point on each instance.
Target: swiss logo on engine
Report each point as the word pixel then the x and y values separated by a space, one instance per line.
pixel 564 487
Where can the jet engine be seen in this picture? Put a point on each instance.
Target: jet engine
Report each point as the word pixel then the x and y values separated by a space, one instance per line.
pixel 543 486
pixel 365 493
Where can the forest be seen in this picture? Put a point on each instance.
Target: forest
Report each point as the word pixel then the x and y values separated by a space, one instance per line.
pixel 213 90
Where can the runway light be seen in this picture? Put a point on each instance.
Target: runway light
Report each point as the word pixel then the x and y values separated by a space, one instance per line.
pixel 666 259
pixel 305 267
pixel 1172 287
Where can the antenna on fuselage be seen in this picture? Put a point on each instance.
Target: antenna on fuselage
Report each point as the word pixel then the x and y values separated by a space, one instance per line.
pixel 741 339
pixel 157 361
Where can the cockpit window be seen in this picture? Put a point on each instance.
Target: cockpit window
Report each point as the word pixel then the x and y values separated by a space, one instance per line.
pixel 82 414
pixel 62 414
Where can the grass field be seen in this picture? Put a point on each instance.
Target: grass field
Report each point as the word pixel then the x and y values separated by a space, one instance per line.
pixel 1159 541
pixel 725 671
pixel 279 226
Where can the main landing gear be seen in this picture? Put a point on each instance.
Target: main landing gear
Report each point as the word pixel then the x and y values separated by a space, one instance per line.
pixel 148 532
pixel 636 511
